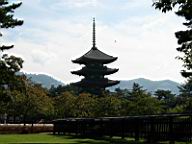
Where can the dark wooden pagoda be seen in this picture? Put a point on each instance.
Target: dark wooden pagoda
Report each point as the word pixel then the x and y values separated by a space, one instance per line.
pixel 94 69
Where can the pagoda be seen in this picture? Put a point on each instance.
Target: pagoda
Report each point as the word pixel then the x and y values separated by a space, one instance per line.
pixel 94 70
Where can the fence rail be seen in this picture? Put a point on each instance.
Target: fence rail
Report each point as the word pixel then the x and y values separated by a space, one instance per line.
pixel 153 128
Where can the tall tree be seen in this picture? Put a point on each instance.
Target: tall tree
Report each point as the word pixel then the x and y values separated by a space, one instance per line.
pixel 141 102
pixel 186 89
pixel 9 65
pixel 184 37
pixel 167 99
pixel 185 97
pixel 108 105
pixel 84 105
pixel 7 20
pixel 64 105
pixel 30 100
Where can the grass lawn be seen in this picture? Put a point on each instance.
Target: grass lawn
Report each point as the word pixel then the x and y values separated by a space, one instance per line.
pixel 45 138
pixel 54 139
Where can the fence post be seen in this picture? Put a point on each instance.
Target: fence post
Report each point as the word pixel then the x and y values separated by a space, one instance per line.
pixel 54 129
pixel 137 126
pixel 123 128
pixel 171 132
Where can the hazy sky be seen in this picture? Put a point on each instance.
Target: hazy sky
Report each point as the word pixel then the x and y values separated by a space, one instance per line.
pixel 57 31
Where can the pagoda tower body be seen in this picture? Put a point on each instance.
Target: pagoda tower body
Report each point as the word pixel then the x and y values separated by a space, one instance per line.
pixel 94 71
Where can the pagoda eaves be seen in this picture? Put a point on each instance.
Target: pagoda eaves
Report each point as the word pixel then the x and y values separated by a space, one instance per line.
pixel 95 55
pixel 103 71
pixel 97 83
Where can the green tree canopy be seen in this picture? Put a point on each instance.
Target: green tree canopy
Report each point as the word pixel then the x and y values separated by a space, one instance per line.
pixel 142 102
pixel 64 105
pixel 167 99
pixel 29 101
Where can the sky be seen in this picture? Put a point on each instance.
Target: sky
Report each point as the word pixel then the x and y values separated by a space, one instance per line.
pixel 58 31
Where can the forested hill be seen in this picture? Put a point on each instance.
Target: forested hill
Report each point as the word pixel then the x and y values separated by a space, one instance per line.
pixel 45 80
pixel 149 85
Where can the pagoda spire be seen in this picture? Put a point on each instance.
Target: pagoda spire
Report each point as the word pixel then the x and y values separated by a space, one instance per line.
pixel 94 37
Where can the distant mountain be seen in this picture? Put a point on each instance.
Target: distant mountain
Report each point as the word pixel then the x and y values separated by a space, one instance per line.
pixel 45 80
pixel 150 86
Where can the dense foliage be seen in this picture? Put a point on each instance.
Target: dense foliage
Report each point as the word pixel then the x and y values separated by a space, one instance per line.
pixel 32 102
pixel 122 102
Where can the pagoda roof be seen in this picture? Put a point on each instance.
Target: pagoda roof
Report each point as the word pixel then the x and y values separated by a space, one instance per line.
pixel 95 55
pixel 87 71
pixel 100 83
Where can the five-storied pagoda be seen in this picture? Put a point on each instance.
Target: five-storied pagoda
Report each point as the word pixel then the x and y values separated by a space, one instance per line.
pixel 94 70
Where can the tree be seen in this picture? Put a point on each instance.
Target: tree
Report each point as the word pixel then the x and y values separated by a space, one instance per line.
pixel 122 92
pixel 9 65
pixel 65 105
pixel 28 101
pixel 185 97
pixel 186 89
pixel 85 105
pixel 108 105
pixel 57 91
pixel 167 99
pixel 184 37
pixel 142 102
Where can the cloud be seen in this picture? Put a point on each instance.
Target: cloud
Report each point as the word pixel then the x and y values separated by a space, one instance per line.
pixel 41 57
pixel 144 42
pixel 77 3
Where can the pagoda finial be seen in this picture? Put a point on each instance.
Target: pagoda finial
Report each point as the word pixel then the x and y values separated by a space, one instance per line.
pixel 94 38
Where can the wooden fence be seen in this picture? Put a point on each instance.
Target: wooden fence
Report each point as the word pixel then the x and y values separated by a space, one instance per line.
pixel 153 128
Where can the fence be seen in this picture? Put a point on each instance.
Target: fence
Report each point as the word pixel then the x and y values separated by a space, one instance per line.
pixel 153 128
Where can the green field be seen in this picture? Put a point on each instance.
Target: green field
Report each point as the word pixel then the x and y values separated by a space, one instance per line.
pixel 45 138
pixel 54 139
